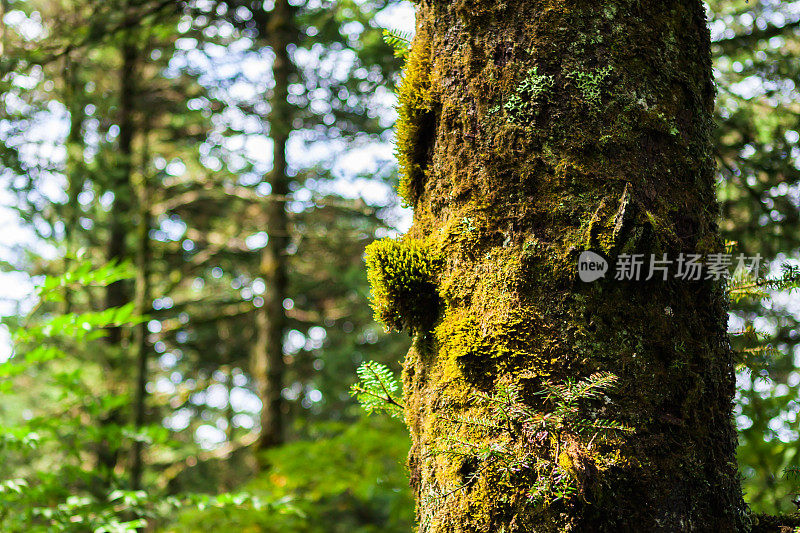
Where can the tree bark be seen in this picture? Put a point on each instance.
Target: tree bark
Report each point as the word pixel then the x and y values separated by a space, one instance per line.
pixel 531 131
pixel 268 364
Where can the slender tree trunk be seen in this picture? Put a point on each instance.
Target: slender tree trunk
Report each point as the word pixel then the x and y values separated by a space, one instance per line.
pixel 75 145
pixel 531 131
pixel 3 36
pixel 3 51
pixel 230 413
pixel 268 363
pixel 73 96
pixel 225 336
pixel 117 293
pixel 143 303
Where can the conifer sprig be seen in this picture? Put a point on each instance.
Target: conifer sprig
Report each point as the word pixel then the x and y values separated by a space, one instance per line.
pixel 758 354
pixel 748 286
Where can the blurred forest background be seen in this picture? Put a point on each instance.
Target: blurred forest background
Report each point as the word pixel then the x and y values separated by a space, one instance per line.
pixel 187 189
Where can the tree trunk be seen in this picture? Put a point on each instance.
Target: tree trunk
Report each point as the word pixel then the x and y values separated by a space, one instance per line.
pixel 117 293
pixel 73 95
pixel 531 131
pixel 268 365
pixel 3 36
pixel 74 167
pixel 143 303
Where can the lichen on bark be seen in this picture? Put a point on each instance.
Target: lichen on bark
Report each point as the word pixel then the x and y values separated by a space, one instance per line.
pixel 530 131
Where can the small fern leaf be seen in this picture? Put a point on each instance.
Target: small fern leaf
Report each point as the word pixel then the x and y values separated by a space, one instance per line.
pixel 377 389
pixel 400 42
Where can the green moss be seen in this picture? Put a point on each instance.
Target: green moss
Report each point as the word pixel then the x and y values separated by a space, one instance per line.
pixel 476 350
pixel 416 119
pixel 402 274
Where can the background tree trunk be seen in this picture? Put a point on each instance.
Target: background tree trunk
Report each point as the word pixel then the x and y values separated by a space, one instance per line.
pixel 117 294
pixel 143 303
pixel 531 131
pixel 3 38
pixel 75 167
pixel 268 365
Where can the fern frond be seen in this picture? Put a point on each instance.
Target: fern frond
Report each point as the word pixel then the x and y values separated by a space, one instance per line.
pixel 754 351
pixel 791 472
pixel 747 333
pixel 592 387
pixel 766 351
pixel 789 280
pixel 400 41
pixel 376 389
pixel 740 289
pixel 589 388
pixel 755 358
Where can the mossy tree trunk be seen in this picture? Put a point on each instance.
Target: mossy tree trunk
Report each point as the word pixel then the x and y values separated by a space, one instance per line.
pixel 531 131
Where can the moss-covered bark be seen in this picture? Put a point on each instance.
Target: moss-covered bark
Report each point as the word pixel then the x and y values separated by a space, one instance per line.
pixel 530 131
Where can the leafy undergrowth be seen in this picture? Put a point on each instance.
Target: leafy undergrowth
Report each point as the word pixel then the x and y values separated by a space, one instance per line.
pixel 350 479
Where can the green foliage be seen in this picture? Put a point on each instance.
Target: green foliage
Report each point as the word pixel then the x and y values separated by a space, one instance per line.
pixel 377 388
pixel 48 481
pixel 185 204
pixel 763 451
pixel 589 84
pixel 755 352
pixel 566 397
pixel 514 426
pixel 402 274
pixel 400 42
pixel 746 285
pixel 59 491
pixel 80 326
pixel 520 104
pixel 757 160
pixel 349 478
pixel 108 514
pixel 82 274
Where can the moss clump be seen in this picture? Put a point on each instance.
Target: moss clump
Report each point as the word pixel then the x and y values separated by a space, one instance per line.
pixel 416 119
pixel 402 274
